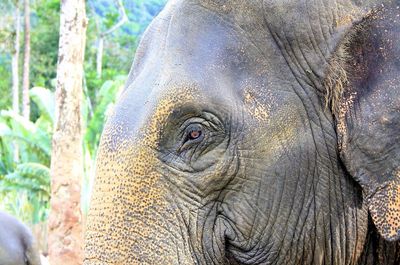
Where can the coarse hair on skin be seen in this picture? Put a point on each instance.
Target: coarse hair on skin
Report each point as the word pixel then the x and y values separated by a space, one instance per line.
pixel 336 79
pixel 339 71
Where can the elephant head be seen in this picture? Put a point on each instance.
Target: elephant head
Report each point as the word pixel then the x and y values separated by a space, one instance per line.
pixel 253 132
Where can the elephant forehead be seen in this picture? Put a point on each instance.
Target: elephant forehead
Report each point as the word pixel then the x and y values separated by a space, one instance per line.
pixel 229 6
pixel 140 123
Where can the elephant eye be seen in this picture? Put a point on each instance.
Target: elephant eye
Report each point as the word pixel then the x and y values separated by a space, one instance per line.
pixel 194 132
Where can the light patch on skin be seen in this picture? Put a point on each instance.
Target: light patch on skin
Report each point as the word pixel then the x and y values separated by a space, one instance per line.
pixel 384 206
pixel 124 220
pixel 284 133
pixel 393 217
pixel 345 106
pixel 272 134
pixel 348 19
pixel 256 109
pixel 281 132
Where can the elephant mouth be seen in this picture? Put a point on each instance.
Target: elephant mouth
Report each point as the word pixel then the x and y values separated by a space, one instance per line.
pixel 238 250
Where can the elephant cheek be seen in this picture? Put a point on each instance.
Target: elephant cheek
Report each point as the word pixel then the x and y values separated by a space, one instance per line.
pixel 129 221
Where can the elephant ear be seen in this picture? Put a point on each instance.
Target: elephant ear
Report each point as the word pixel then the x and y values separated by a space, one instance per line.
pixel 363 85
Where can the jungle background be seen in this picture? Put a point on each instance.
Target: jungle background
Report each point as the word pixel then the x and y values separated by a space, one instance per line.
pixel 27 122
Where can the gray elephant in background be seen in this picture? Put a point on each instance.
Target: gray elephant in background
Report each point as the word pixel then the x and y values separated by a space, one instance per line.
pixel 255 132
pixel 17 245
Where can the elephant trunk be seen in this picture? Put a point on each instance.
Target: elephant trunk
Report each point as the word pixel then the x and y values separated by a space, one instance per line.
pixel 130 221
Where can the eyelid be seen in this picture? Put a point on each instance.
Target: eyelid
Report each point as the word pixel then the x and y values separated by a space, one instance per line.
pixel 191 121
pixel 203 122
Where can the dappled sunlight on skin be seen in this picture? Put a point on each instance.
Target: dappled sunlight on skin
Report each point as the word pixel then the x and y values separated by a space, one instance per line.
pixel 254 107
pixel 273 127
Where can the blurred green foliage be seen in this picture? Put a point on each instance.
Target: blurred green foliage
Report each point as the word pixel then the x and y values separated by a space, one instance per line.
pixel 24 172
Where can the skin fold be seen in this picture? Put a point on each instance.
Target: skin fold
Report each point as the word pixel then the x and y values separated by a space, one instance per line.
pixel 17 246
pixel 254 132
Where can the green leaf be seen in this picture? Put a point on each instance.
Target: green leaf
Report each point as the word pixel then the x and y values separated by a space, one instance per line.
pixel 45 100
pixel 35 171
pixel 26 132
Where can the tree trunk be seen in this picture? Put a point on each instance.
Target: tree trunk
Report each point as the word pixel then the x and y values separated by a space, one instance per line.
pixel 15 72
pixel 15 60
pixel 27 55
pixel 65 221
pixel 99 59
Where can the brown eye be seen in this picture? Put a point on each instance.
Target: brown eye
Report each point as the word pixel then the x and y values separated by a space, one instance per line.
pixel 194 134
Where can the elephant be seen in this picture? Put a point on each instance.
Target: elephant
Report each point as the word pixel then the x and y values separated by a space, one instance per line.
pixel 254 132
pixel 17 245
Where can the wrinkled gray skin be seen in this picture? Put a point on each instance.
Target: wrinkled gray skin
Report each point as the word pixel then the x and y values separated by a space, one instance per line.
pixel 255 132
pixel 17 246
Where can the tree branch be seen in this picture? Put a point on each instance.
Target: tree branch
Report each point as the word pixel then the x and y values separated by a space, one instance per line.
pixel 123 19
